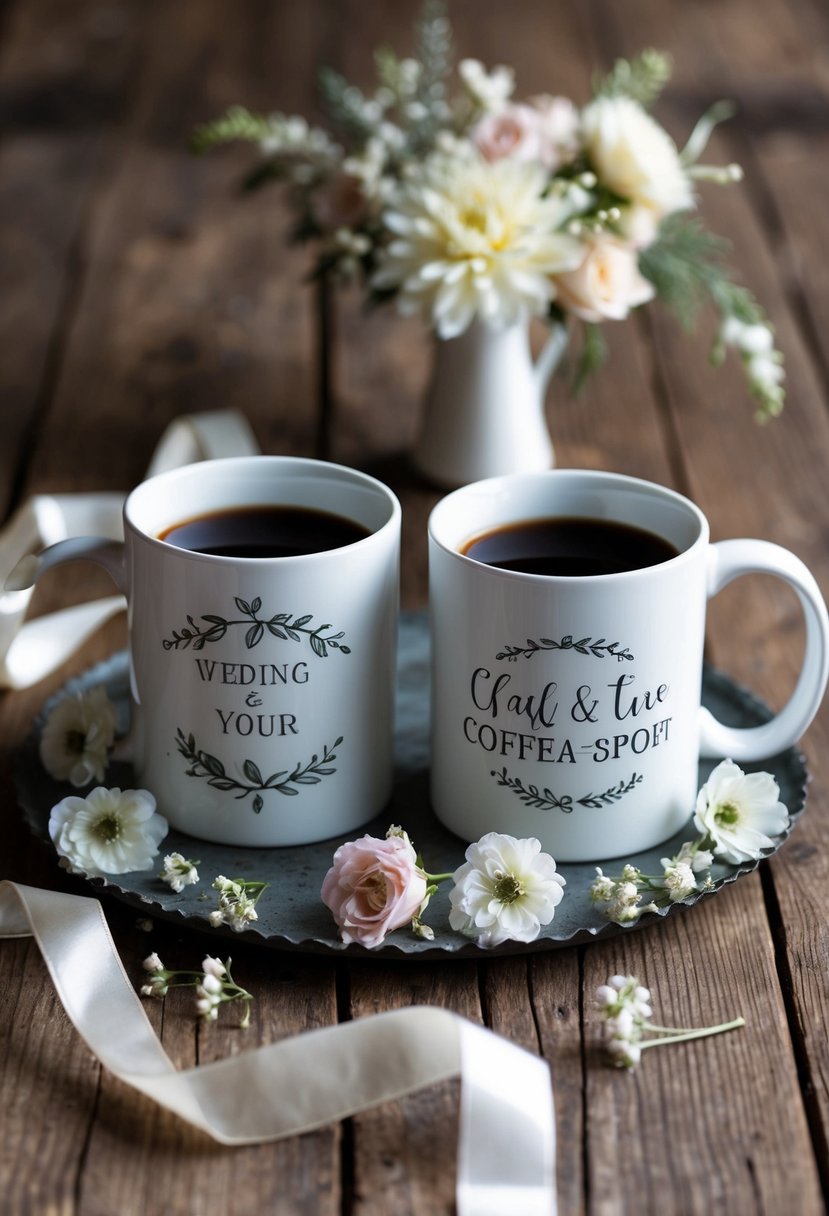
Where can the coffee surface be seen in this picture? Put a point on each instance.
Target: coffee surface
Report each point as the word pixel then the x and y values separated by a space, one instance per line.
pixel 264 531
pixel 570 546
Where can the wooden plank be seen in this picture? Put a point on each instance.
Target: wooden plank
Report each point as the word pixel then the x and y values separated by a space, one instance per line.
pixel 173 1167
pixel 712 430
pixel 711 1126
pixel 404 1152
pixel 63 80
pixel 173 313
pixel 556 996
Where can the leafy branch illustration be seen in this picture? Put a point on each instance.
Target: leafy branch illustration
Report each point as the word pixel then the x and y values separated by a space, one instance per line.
pixel 600 648
pixel 202 764
pixel 544 799
pixel 283 625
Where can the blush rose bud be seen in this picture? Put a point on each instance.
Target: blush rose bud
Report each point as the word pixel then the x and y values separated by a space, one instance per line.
pixel 373 887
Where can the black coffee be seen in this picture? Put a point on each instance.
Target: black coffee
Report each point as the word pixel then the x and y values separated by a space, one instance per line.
pixel 569 546
pixel 264 531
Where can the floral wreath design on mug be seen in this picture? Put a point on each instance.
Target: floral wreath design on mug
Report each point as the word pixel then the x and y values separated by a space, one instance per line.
pixel 203 765
pixel 544 799
pixel 283 625
pixel 600 649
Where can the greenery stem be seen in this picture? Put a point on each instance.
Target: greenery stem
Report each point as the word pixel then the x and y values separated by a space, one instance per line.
pixel 684 1036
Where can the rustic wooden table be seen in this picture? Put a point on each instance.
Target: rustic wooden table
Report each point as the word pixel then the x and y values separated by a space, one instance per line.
pixel 138 286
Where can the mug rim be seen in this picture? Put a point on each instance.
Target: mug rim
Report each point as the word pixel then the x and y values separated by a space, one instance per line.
pixel 308 464
pixel 647 488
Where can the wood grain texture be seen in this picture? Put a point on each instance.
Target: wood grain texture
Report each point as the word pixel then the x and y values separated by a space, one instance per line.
pixel 138 285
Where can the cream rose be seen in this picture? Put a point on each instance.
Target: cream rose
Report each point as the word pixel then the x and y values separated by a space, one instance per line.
pixel 373 887
pixel 634 156
pixel 607 284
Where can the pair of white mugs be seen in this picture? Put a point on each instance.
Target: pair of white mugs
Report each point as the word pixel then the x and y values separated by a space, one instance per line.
pixel 565 708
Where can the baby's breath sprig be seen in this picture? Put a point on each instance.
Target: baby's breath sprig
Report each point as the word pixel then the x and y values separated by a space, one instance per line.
pixel 237 902
pixel 621 897
pixel 179 872
pixel 214 986
pixel 625 1007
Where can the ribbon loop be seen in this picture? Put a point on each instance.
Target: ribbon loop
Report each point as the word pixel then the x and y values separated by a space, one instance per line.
pixel 30 651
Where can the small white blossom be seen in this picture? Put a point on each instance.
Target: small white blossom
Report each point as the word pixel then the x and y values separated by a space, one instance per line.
pixel 237 902
pixel 506 890
pixel 679 880
pixel 179 872
pixel 213 966
pixel 77 736
pixel 290 136
pixel 158 977
pixel 108 832
pixel 740 812
pixel 207 1003
pixel 214 986
pixel 625 1008
pixel 489 90
pixel 698 858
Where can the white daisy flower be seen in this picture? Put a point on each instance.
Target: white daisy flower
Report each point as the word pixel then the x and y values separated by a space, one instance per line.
pixel 77 736
pixel 474 239
pixel 108 832
pixel 506 890
pixel 740 812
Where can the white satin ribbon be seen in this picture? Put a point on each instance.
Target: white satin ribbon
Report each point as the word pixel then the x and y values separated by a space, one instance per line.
pixel 506 1149
pixel 30 651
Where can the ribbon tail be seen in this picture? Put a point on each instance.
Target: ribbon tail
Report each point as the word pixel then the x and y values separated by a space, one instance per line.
pixel 506 1144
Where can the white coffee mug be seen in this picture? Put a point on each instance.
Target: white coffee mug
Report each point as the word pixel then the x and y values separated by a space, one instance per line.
pixel 568 708
pixel 262 687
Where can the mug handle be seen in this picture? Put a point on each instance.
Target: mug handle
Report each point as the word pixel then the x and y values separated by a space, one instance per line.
pixel 101 550
pixel 727 560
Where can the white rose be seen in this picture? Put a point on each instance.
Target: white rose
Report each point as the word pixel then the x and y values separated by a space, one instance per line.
pixel 634 156
pixel 559 129
pixel 606 285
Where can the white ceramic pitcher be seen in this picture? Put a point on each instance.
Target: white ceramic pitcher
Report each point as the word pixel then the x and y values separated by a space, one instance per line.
pixel 484 410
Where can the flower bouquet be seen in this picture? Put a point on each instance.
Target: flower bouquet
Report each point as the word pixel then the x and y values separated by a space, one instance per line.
pixel 477 211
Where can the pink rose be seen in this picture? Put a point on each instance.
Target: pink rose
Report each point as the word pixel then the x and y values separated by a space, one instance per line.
pixel 373 887
pixel 606 285
pixel 510 131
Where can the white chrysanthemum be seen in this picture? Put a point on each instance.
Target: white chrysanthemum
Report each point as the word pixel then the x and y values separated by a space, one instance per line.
pixel 506 890
pixel 634 156
pixel 740 812
pixel 108 832
pixel 475 239
pixel 77 736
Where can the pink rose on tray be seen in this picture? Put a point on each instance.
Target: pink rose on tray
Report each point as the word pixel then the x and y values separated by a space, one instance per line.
pixel 373 887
